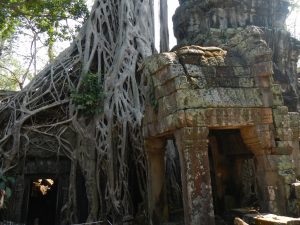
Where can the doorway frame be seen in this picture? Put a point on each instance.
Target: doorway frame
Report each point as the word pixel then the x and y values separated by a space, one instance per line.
pixel 27 192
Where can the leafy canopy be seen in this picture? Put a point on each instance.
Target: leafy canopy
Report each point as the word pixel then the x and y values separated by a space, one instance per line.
pixel 43 21
pixel 40 16
pixel 13 75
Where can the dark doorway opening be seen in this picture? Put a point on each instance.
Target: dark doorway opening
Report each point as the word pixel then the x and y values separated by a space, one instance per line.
pixel 42 201
pixel 232 169
pixel 82 201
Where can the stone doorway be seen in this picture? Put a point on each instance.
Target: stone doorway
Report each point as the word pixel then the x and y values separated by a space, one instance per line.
pixel 232 171
pixel 42 201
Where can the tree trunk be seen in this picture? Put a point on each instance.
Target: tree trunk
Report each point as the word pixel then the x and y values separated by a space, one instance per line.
pixel 164 26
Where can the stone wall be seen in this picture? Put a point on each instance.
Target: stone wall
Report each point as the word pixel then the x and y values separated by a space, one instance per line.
pixel 213 22
pixel 195 89
pixel 196 16
pixel 248 82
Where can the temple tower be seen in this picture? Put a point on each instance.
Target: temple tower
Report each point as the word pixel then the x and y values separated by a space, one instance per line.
pixel 211 23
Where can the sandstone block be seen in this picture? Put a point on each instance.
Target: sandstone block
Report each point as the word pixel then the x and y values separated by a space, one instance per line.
pixel 262 69
pixel 271 219
pixel 282 148
pixel 241 70
pixel 167 73
pixel 296 189
pixel 157 62
pixel 277 95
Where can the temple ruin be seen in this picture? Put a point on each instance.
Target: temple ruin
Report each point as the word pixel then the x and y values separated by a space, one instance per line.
pixel 185 136
pixel 228 96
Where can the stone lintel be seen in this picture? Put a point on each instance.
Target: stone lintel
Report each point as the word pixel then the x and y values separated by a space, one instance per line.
pixel 205 82
pixel 210 98
pixel 212 117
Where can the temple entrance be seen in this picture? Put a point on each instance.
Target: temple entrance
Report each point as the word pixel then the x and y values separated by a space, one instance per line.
pixel 232 170
pixel 42 202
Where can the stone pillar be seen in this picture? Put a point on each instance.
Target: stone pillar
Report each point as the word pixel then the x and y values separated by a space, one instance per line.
pixel 192 145
pixel 271 187
pixel 155 151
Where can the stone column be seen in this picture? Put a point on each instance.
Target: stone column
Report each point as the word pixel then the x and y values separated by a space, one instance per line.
pixel 271 191
pixel 192 145
pixel 155 151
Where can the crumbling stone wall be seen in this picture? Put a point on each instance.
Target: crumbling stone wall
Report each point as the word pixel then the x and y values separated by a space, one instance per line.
pixel 203 88
pixel 213 22
pixel 247 81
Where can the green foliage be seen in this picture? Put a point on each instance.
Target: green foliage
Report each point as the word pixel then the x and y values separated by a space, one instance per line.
pixel 40 16
pixel 6 184
pixel 90 96
pixel 13 75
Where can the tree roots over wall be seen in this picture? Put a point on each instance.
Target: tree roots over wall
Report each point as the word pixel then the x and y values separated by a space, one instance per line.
pixel 106 146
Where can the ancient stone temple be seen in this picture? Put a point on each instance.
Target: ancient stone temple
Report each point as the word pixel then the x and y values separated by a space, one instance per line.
pixel 227 97
pixel 182 137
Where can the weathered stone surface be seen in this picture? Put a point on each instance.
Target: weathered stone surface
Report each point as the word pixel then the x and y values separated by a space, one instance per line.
pixel 194 16
pixel 212 118
pixel 238 221
pixel 224 24
pixel 156 177
pixel 201 98
pixel 262 69
pixel 234 95
pixel 285 57
pixel 271 219
pixel 168 73
pixel 197 194
pixel 296 189
pixel 159 61
pixel 277 95
pixel 295 125
pixel 247 82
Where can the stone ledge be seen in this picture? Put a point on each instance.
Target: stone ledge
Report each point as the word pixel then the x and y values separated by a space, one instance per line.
pixel 271 219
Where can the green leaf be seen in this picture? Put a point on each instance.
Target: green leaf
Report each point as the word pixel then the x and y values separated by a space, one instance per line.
pixel 4 178
pixel 2 185
pixel 8 192
pixel 11 180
